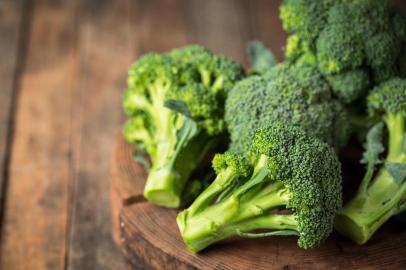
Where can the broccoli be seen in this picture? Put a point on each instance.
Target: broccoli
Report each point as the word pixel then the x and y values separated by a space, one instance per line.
pixel 260 57
pixel 381 196
pixel 354 43
pixel 297 94
pixel 289 184
pixel 175 107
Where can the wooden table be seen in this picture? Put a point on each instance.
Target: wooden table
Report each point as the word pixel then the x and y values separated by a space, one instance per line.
pixel 62 73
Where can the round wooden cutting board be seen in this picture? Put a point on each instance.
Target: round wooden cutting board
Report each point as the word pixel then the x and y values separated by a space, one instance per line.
pixel 149 237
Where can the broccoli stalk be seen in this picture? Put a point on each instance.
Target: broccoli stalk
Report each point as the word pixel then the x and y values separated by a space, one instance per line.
pixel 383 196
pixel 233 214
pixel 280 175
pixel 174 103
pixel 177 156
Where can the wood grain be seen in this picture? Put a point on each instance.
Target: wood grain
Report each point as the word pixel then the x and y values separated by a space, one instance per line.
pixel 149 236
pixel 11 33
pixel 219 25
pixel 265 25
pixel 35 220
pixel 161 26
pixel 105 50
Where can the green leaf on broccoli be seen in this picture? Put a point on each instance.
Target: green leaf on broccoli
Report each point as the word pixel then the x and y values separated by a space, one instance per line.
pixel 178 106
pixel 373 146
pixel 397 171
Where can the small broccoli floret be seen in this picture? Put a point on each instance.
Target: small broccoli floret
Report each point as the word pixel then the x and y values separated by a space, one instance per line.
pixel 338 49
pixel 202 105
pixel 304 17
pixel 349 84
pixel 298 51
pixel 175 105
pixel 290 171
pixel 361 40
pixel 217 72
pixel 260 57
pixel 295 94
pixel 383 196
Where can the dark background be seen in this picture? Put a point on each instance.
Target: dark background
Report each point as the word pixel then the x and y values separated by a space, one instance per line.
pixel 63 68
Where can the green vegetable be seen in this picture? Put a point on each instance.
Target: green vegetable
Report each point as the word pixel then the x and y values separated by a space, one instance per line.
pixel 285 170
pixel 354 43
pixel 261 58
pixel 383 196
pixel 174 103
pixel 295 94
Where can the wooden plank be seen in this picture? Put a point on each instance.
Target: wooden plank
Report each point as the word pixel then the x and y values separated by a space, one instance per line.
pixel 265 25
pixel 220 25
pixel 36 204
pixel 105 47
pixel 140 26
pixel 160 26
pixel 11 21
pixel 129 190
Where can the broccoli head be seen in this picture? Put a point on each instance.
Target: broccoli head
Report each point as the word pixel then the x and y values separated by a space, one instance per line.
pixel 290 184
pixel 381 196
pixel 296 94
pixel 174 104
pixel 354 43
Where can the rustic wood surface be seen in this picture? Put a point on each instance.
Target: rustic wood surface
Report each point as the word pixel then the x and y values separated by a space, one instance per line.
pixel 63 67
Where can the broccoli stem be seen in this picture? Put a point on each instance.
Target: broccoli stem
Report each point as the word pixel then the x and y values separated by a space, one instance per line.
pixel 222 180
pixel 364 214
pixel 245 210
pixel 396 126
pixel 224 221
pixel 167 177
pixel 163 185
pixel 377 201
pixel 173 165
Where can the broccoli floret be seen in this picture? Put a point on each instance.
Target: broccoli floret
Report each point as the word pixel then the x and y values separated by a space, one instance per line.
pixel 298 51
pixel 260 57
pixel 384 195
pixel 295 94
pixel 174 104
pixel 285 170
pixel 214 71
pixel 304 17
pixel 348 84
pixel 357 41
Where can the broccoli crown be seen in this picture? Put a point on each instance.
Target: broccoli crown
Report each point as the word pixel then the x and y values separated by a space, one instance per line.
pixel 238 163
pixel 150 69
pixel 297 94
pixel 348 84
pixel 311 172
pixel 202 105
pixel 175 106
pixel 192 75
pixel 288 171
pixel 389 97
pixel 217 72
pixel 346 36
